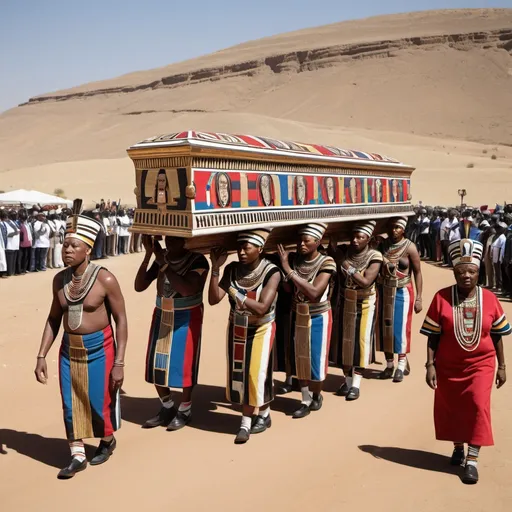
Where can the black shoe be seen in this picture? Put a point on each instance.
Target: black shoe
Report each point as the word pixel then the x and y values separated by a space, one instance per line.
pixel 353 394
pixel 103 452
pixel 162 419
pixel 243 436
pixel 457 458
pixel 179 421
pixel 283 389
pixel 386 374
pixel 302 412
pixel 470 475
pixel 260 424
pixel 343 390
pixel 399 376
pixel 74 467
pixel 317 402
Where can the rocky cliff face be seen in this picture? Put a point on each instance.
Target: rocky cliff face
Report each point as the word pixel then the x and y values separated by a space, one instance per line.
pixel 307 60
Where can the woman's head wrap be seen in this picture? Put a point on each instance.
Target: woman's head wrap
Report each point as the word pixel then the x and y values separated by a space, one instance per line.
pixel 315 230
pixel 256 237
pixel 366 227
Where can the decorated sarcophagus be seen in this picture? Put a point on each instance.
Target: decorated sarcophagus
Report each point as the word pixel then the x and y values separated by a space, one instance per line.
pixel 206 187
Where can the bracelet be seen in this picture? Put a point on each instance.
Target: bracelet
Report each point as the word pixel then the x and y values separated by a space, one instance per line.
pixel 289 276
pixel 41 357
pixel 119 364
pixel 351 271
pixel 163 268
pixel 502 367
pixel 428 364
pixel 419 299
pixel 215 273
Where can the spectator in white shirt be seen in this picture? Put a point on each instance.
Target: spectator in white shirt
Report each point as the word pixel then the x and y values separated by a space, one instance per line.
pixel 12 246
pixel 123 222
pixel 42 244
pixel 449 233
pixel 497 253
pixel 114 231
pixel 424 226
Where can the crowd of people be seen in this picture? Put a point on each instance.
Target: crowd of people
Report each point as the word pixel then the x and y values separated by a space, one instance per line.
pixel 31 239
pixel 434 228
pixel 294 312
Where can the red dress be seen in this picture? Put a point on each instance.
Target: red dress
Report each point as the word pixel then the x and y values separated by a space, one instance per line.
pixel 462 404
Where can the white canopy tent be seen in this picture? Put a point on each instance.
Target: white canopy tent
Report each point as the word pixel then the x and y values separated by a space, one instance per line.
pixel 32 197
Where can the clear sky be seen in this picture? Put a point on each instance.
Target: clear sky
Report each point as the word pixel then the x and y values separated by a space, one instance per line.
pixel 47 45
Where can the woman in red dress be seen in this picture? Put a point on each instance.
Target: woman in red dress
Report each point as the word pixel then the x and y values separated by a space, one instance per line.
pixel 465 325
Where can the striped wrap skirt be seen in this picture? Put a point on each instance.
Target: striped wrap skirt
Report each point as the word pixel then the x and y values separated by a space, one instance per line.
pixel 90 408
pixel 395 308
pixel 174 345
pixel 250 342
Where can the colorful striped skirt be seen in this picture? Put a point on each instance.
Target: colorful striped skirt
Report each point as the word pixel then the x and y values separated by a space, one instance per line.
pixel 174 345
pixel 250 342
pixel 310 341
pixel 90 408
pixel 354 336
pixel 393 331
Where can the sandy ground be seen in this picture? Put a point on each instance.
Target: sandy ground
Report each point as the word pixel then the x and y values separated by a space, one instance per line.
pixel 376 453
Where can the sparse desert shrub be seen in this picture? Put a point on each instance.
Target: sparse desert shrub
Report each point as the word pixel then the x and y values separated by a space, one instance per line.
pixel 493 157
pixel 484 151
pixel 58 192
pixel 470 165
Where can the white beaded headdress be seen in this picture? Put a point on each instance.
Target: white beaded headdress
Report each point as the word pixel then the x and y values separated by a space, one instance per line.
pixel 466 251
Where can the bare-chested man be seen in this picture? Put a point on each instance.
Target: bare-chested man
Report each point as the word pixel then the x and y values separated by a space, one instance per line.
pixel 91 364
pixel 175 336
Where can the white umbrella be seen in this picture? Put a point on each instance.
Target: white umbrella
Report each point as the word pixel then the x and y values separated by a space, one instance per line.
pixel 32 197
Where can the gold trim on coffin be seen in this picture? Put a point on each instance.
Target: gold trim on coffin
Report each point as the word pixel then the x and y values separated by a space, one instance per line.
pixel 370 167
pixel 188 224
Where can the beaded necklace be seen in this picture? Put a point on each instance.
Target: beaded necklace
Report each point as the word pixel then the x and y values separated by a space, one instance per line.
pixel 253 278
pixel 467 319
pixel 76 289
pixel 394 252
pixel 307 270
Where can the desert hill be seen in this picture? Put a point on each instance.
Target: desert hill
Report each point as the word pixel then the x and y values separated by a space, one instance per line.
pixel 433 89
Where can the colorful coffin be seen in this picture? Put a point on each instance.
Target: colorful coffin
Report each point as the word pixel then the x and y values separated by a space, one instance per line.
pixel 207 186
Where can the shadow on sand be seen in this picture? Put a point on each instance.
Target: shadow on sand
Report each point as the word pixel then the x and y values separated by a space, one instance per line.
pixel 209 401
pixel 47 450
pixel 418 459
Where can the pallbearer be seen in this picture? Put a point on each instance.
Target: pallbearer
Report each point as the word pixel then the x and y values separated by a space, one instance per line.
pixel 396 297
pixel 251 284
pixel 358 267
pixel 174 345
pixel 310 275
pixel 90 364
